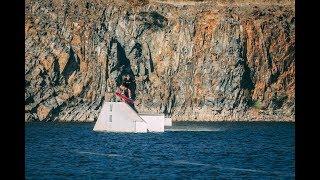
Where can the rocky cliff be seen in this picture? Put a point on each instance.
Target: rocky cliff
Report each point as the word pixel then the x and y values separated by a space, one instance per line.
pixel 192 60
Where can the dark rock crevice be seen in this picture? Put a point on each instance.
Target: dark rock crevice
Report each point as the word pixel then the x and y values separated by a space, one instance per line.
pixel 73 65
pixel 123 67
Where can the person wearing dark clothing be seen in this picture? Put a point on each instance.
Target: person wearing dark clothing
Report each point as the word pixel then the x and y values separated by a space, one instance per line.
pixel 126 80
pixel 124 90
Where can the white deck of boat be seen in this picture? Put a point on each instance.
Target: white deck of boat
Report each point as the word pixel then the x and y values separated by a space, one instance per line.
pixel 120 117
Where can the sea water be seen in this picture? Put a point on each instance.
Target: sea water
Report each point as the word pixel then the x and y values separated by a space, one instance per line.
pixel 187 150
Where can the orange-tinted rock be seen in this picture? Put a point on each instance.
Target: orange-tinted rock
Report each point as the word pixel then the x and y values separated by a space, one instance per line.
pixel 43 112
pixel 191 60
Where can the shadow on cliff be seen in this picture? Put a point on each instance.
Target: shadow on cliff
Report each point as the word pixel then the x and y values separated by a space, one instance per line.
pixel 123 66
pixel 246 82
pixel 150 21
pixel 72 65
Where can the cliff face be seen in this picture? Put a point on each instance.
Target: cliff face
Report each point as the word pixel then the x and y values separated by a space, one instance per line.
pixel 191 60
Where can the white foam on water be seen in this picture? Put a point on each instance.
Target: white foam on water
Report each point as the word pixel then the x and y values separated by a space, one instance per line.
pixel 252 170
pixel 100 154
pixel 219 167
pixel 195 129
pixel 189 163
pixel 229 168
pixel 242 169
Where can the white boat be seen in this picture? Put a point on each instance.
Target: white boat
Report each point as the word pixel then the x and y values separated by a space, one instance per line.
pixel 120 117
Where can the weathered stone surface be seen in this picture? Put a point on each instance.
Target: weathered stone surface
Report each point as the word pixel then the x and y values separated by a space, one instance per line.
pixel 43 112
pixel 204 61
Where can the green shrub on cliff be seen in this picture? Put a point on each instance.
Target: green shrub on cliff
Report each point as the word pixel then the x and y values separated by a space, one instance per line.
pixel 255 104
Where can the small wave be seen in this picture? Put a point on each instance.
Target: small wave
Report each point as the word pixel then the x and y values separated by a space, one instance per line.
pixel 194 129
pixel 229 168
pixel 242 169
pixel 189 163
pixel 100 154
pixel 255 170
pixel 219 167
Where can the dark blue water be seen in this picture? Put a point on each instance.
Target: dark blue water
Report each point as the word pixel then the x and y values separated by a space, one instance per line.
pixel 186 151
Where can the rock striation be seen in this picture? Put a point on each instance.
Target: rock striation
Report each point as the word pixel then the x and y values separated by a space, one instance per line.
pixel 192 60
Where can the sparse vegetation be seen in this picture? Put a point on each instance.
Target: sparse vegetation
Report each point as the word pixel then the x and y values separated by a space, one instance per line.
pixel 278 100
pixel 255 104
pixel 138 2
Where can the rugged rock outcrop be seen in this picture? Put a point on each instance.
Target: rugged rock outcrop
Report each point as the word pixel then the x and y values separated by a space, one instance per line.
pixel 216 60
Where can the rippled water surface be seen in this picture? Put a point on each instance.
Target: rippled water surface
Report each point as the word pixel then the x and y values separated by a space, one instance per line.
pixel 186 150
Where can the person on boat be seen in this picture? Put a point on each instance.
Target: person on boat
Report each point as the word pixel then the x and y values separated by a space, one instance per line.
pixel 124 90
pixel 126 80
